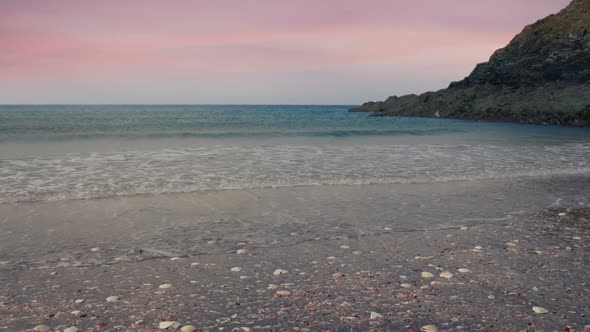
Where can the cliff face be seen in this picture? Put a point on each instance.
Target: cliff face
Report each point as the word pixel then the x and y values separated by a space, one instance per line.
pixel 541 76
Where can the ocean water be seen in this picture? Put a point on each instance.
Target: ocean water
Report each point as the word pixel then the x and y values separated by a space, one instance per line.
pixel 146 179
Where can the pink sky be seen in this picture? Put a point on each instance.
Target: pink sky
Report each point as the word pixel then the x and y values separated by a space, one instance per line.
pixel 247 51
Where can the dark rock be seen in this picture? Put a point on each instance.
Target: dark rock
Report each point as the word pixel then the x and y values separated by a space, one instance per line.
pixel 542 76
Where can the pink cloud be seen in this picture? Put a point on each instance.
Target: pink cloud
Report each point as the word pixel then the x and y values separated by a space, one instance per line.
pixel 130 40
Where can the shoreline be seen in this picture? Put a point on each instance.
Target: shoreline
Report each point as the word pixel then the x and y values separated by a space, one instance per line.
pixel 368 284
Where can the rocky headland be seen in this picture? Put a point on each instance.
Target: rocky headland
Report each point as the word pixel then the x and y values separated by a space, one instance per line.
pixel 542 76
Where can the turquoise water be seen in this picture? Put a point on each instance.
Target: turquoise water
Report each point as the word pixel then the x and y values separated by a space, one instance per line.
pixel 73 152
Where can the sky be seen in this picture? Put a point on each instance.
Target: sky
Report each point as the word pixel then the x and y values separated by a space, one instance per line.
pixel 247 51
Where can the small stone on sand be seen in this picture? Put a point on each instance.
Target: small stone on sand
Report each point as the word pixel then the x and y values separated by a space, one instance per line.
pixel 272 286
pixel 282 293
pixel 278 272
pixel 78 301
pixel 344 247
pixel 464 270
pixel 429 328
pixel 338 275
pixel 375 315
pixel 331 258
pixel 76 313
pixel 562 214
pixel 71 329
pixel 223 320
pixel 95 249
pixel 188 328
pixel 576 238
pixel 112 299
pixel 406 286
pixel 41 328
pixel 169 324
pixel 241 251
pixel 176 258
pixel 236 269
pixel 446 275
pixel 540 310
pixel 165 286
pixel 426 274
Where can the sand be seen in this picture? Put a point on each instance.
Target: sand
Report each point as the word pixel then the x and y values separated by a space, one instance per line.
pixel 482 278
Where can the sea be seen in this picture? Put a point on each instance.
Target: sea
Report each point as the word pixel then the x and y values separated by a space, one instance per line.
pixel 102 184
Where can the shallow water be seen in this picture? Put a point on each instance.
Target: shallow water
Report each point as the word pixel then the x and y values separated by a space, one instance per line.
pixel 149 181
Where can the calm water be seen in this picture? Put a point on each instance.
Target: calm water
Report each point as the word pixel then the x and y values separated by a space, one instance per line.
pixel 151 181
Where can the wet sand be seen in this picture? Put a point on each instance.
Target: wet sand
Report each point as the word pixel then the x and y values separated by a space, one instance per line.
pixel 367 283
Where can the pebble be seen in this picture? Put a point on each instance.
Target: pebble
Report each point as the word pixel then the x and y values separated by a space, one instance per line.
pixel 71 329
pixel 338 275
pixel 79 301
pixel 331 258
pixel 562 214
pixel 236 269
pixel 41 328
pixel 375 315
pixel 344 247
pixel 241 251
pixel 112 299
pixel 167 324
pixel 272 286
pixel 222 320
pixel 176 258
pixel 429 328
pixel 95 249
pixel 540 310
pixel 76 313
pixel 278 272
pixel 165 286
pixel 188 328
pixel 282 293
pixel 406 286
pixel 446 275
pixel 356 252
pixel 464 270
pixel 426 274
pixel 576 238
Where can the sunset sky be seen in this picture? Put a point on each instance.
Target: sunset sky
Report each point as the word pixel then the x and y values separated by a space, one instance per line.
pixel 246 51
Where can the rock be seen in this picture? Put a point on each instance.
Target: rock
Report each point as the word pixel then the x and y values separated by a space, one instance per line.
pixel 95 249
pixel 464 270
pixel 406 286
pixel 169 324
pixel 245 329
pixel 331 258
pixel 165 286
pixel 576 238
pixel 344 247
pixel 176 258
pixel 111 299
pixel 78 301
pixel 338 275
pixel 426 274
pixel 241 251
pixel 272 286
pixel 282 293
pixel 540 310
pixel 71 329
pixel 563 214
pixel 41 328
pixel 236 269
pixel 548 58
pixel 76 313
pixel 429 328
pixel 188 328
pixel 375 315
pixel 279 272
pixel 446 275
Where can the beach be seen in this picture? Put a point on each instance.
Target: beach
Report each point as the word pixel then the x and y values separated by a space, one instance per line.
pixel 288 218
pixel 486 277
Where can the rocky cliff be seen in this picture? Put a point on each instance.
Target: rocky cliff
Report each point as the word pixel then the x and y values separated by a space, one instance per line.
pixel 541 76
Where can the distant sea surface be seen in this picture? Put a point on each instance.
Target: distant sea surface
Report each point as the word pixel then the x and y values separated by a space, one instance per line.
pixel 170 180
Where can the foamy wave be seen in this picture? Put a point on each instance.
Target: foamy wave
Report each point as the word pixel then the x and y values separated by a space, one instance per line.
pixel 98 175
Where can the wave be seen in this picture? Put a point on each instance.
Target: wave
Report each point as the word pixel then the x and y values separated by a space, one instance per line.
pixel 303 183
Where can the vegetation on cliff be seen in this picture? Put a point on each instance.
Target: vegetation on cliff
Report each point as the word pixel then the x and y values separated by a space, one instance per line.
pixel 541 76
